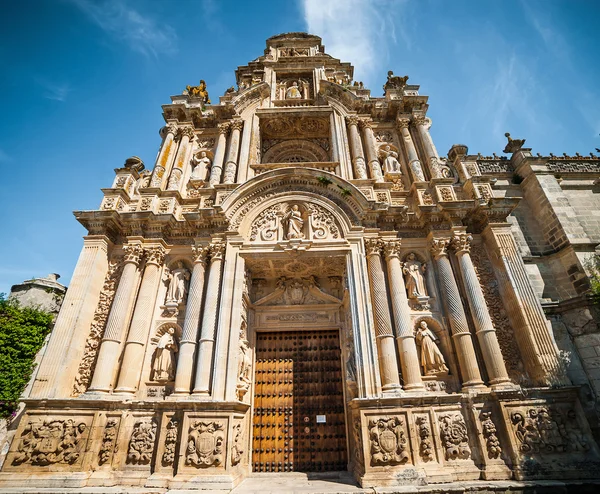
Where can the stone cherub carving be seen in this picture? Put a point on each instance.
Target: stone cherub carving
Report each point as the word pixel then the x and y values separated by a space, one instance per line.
pixel 294 223
pixel 202 164
pixel 199 91
pixel 432 360
pixel 390 160
pixel 413 272
pixel 294 91
pixel 163 367
pixel 177 288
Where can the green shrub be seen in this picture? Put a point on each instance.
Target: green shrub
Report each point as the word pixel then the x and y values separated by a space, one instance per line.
pixel 22 334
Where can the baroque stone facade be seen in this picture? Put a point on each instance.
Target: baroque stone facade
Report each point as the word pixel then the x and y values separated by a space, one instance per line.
pixel 301 283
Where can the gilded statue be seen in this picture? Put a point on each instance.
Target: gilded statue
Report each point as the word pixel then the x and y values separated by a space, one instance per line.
pixel 199 91
pixel 432 360
pixel 295 223
pixel 163 367
pixel 415 281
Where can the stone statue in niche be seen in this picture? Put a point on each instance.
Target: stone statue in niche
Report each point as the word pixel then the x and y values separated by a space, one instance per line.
pixel 177 288
pixel 163 367
pixel 294 223
pixel 244 370
pixel 390 160
pixel 432 360
pixel 414 279
pixel 202 166
pixel 294 91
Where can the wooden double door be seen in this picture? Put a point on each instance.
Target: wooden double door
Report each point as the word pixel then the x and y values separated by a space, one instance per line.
pixel 298 422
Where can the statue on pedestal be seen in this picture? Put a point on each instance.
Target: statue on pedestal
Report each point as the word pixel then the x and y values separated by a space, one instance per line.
pixel 163 367
pixel 177 288
pixel 415 282
pixel 202 165
pixel 432 360
pixel 295 223
pixel 294 91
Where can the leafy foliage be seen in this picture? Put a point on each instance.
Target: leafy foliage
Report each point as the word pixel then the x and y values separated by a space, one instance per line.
pixel 593 267
pixel 324 180
pixel 22 334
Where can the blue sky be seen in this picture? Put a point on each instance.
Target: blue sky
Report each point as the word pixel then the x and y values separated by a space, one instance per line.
pixel 82 82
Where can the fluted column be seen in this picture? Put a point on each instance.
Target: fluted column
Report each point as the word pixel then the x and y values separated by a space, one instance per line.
pixel 371 149
pixel 390 379
pixel 209 321
pixel 232 156
pixel 118 320
pixel 486 333
pixel 423 125
pixel 413 158
pixel 167 150
pixel 189 337
pixel 358 157
pixel 133 356
pixel 186 136
pixel 217 166
pixel 405 336
pixel 463 342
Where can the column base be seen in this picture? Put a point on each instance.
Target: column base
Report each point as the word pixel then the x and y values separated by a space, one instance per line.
pixel 124 391
pixel 415 388
pixel 392 388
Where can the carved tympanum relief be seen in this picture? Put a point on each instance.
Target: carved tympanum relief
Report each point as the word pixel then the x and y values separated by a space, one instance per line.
pixel 141 444
pixel 388 441
pixel 109 439
pixel 492 442
pixel 51 442
pixel 432 359
pixel 297 291
pixel 455 440
pixel 164 360
pixel 168 457
pixel 205 444
pixel 285 221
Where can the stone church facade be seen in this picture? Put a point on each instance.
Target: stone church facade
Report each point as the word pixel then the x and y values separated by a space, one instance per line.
pixel 302 283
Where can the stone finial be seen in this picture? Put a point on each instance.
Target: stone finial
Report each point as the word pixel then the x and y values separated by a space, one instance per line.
pixel 394 81
pixel 134 163
pixel 457 151
pixel 513 145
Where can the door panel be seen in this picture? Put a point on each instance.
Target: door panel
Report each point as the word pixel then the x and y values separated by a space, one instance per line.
pixel 297 378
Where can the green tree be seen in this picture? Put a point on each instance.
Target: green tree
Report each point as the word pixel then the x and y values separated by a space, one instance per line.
pixel 593 267
pixel 22 334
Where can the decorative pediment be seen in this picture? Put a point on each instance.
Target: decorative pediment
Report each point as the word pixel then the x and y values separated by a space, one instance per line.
pixel 297 291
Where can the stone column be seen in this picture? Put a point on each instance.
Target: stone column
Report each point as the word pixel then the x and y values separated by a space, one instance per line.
pixel 167 150
pixel 526 315
pixel 67 340
pixel 189 336
pixel 486 333
pixel 405 335
pixel 423 125
pixel 232 156
pixel 463 342
pixel 186 135
pixel 413 158
pixel 217 166
pixel 371 148
pixel 118 320
pixel 133 357
pixel 358 157
pixel 390 379
pixel 209 321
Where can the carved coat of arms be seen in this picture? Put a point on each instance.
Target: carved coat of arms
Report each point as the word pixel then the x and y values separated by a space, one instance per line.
pixel 205 444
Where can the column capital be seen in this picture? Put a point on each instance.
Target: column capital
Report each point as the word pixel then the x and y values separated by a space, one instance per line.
pixel 352 120
pixel 403 123
pixel 422 120
pixel 237 124
pixel 373 246
pixel 391 248
pixel 186 131
pixel 439 247
pixel 133 253
pixel 224 127
pixel 200 253
pixel 461 243
pixel 365 123
pixel 217 250
pixel 170 128
pixel 155 255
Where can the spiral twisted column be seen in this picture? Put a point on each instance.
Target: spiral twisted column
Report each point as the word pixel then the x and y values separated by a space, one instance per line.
pixel 234 147
pixel 164 157
pixel 405 336
pixel 217 166
pixel 358 157
pixel 388 364
pixel 371 149
pixel 485 331
pixel 411 151
pixel 189 337
pixel 133 357
pixel 118 320
pixel 186 136
pixel 465 351
pixel 209 321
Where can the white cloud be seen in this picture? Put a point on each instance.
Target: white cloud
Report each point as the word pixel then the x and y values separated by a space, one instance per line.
pixel 141 32
pixel 356 31
pixel 56 92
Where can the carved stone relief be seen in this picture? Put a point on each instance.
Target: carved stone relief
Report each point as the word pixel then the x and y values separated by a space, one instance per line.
pixel 205 444
pixel 51 442
pixel 492 442
pixel 244 370
pixel 237 450
pixel 92 343
pixel 424 434
pixel 164 359
pixel 168 457
pixel 141 444
pixel 109 439
pixel 388 441
pixel 453 432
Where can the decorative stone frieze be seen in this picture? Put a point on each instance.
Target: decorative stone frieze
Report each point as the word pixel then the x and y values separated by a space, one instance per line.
pixel 237 449
pixel 205 444
pixel 388 442
pixel 142 442
pixel 109 441
pixel 454 436
pixel 489 433
pixel 168 457
pixel 424 434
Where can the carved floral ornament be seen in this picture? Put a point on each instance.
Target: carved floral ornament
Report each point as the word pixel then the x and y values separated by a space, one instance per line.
pixel 141 444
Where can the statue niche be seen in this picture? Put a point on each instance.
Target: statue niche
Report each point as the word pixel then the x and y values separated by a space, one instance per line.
pixel 164 360
pixel 176 279
pixel 432 359
pixel 415 282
